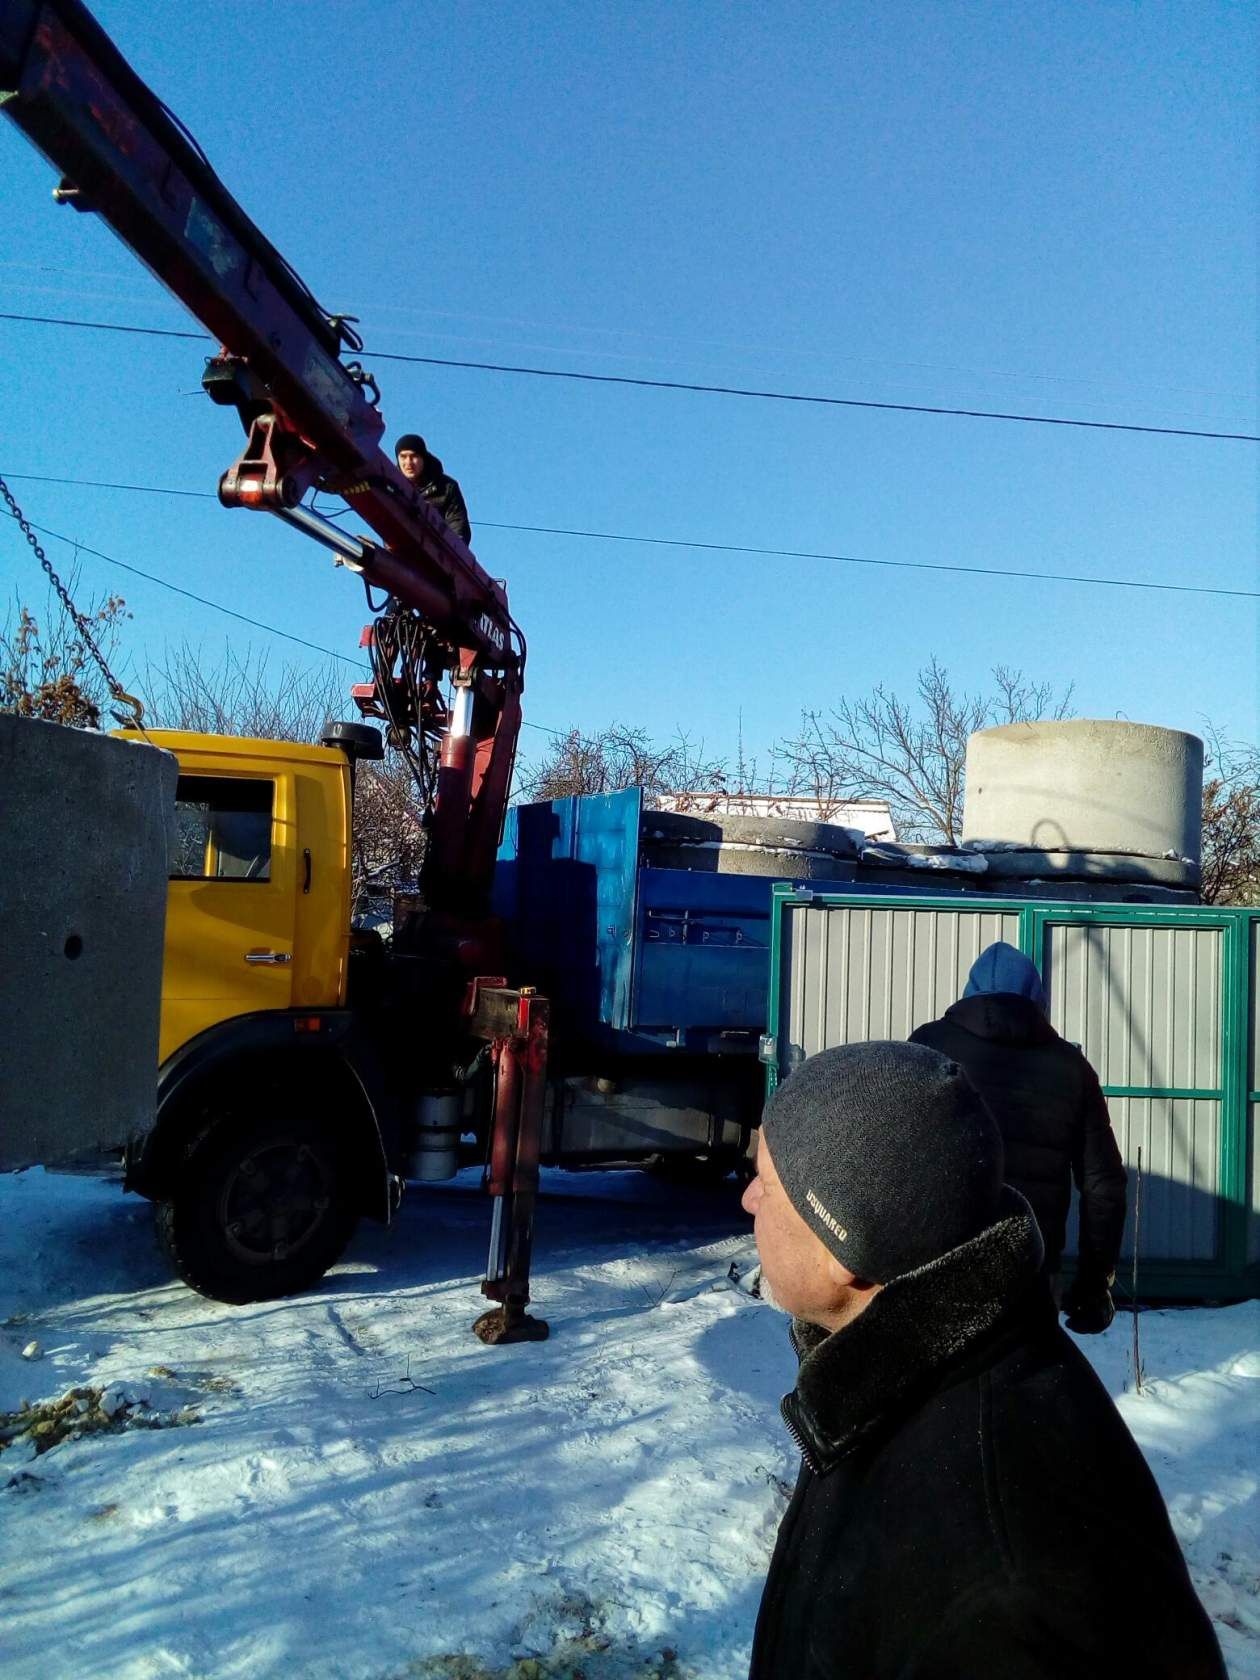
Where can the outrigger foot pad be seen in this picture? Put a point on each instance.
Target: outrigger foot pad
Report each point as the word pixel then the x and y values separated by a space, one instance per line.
pixel 508 1324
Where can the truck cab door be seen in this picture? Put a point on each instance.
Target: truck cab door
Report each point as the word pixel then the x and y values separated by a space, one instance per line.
pixel 230 910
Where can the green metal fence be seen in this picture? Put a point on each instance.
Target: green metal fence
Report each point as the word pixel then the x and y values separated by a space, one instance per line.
pixel 1163 1001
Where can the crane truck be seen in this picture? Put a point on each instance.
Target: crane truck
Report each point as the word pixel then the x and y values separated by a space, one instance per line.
pixel 309 1070
pixel 292 1089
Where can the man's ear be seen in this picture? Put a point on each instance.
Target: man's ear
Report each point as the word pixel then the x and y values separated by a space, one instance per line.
pixel 843 1278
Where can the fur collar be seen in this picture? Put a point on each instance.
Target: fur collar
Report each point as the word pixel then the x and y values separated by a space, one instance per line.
pixel 915 1328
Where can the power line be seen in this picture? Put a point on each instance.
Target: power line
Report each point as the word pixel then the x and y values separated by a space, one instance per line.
pixel 797 350
pixel 706 390
pixel 191 595
pixel 107 326
pixel 734 548
pixel 829 402
pixel 205 601
pixel 102 484
pixel 898 565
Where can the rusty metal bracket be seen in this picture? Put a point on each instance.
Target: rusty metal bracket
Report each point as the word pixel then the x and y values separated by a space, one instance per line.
pixel 515 1022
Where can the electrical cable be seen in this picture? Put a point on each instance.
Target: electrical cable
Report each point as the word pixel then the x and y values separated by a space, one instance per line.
pixel 202 600
pixel 827 402
pixel 706 390
pixel 102 484
pixel 733 548
pixel 108 326
pixel 217 606
pixel 867 560
pixel 793 351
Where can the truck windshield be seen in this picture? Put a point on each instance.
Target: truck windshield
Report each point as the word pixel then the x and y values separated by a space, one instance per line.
pixel 223 829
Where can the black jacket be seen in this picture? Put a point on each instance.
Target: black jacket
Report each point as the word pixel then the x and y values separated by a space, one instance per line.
pixel 970 1504
pixel 1053 1118
pixel 440 489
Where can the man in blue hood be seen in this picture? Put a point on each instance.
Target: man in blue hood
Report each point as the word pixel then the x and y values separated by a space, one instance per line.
pixel 1052 1115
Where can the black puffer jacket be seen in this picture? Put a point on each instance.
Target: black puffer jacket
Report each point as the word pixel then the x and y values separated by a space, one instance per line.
pixel 440 489
pixel 1053 1118
pixel 970 1503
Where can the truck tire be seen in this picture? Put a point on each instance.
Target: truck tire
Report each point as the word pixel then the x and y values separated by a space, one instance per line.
pixel 260 1208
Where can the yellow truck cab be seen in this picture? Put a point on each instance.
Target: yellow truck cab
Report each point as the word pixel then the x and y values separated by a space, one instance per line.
pixel 258 912
pixel 273 1117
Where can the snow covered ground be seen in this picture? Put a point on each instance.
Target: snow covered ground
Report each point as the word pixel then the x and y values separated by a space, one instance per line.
pixel 349 1485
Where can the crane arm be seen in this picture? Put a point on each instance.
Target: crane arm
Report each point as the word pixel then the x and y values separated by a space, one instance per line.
pixel 311 419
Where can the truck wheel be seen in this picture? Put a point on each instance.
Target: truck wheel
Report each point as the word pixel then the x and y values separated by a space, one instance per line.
pixel 260 1208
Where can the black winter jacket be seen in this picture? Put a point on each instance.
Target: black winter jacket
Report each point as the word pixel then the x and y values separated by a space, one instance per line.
pixel 444 493
pixel 970 1504
pixel 1053 1118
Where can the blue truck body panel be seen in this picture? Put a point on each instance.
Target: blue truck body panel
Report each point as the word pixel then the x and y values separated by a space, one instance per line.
pixel 635 960
pixel 565 884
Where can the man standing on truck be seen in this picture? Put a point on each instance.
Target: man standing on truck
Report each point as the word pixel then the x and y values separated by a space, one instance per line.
pixel 436 486
pixel 1052 1115
pixel 970 1501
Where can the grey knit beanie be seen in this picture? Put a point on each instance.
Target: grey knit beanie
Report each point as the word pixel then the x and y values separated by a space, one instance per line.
pixel 887 1152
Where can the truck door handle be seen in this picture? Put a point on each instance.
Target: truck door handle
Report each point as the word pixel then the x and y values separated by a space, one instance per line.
pixel 264 959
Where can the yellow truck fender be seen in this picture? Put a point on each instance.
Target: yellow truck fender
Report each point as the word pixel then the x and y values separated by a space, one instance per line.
pixel 320 1050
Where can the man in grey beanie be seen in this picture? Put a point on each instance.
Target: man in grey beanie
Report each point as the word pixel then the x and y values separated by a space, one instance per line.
pixel 970 1501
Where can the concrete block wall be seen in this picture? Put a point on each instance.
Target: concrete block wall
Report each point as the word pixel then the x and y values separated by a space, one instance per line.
pixel 85 821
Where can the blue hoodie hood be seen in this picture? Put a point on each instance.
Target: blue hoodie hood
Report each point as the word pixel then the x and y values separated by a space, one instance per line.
pixel 1001 968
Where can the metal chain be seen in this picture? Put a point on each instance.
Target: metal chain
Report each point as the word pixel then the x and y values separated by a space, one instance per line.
pixel 116 689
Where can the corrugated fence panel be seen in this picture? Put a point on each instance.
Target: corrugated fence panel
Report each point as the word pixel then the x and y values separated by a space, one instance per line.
pixel 1144 1003
pixel 850 973
pixel 1180 1210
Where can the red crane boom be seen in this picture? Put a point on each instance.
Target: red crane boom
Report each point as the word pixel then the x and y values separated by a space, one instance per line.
pixel 311 419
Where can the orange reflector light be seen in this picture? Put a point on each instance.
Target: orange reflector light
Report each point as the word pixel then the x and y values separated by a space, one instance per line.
pixel 307 1023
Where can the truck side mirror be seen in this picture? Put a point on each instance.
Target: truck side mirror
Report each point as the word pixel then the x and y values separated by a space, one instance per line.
pixel 356 740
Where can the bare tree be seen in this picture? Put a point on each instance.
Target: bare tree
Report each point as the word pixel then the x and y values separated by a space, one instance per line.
pixel 241 694
pixel 49 673
pixel 620 757
pixel 1231 822
pixel 389 831
pixel 910 752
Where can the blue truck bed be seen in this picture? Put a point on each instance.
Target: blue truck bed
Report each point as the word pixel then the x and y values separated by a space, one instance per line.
pixel 635 960
pixel 638 960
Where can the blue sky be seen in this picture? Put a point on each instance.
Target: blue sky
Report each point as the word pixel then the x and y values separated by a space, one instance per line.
pixel 1049 209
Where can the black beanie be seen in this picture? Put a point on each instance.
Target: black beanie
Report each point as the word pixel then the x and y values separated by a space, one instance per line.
pixel 888 1153
pixel 412 441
